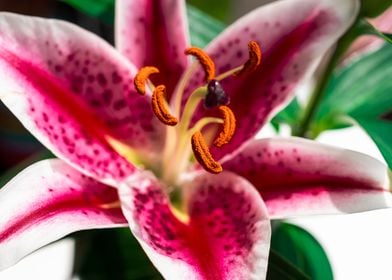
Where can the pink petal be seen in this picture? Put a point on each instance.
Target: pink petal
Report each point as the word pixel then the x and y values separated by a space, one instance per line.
pixel 154 33
pixel 302 177
pixel 47 201
pixel 227 235
pixel 293 36
pixel 69 88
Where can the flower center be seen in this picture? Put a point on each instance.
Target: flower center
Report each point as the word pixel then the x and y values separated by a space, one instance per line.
pixel 183 138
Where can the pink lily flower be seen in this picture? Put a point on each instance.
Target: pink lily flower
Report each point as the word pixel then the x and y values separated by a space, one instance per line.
pixel 119 165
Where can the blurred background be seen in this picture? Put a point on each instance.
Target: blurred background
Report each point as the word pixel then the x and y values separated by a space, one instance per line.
pixel 358 246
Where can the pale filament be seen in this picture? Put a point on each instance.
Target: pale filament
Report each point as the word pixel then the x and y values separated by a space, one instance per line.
pixel 111 205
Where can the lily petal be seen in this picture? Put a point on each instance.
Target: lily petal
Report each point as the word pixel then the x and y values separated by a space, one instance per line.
pixel 47 201
pixel 301 177
pixel 226 235
pixel 72 90
pixel 154 33
pixel 293 35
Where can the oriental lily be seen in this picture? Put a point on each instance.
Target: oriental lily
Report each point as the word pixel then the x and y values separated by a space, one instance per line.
pixel 122 163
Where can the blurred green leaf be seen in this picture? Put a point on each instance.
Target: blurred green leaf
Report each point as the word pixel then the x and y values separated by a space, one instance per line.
pixel 361 91
pixel 373 8
pixel 101 9
pixel 279 268
pixel 112 254
pixel 289 115
pixel 202 27
pixel 387 37
pixel 365 28
pixel 216 9
pixel 302 250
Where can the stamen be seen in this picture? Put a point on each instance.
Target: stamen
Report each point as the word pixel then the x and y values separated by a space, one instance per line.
pixel 142 77
pixel 203 155
pixel 205 61
pixel 229 123
pixel 204 122
pixel 159 108
pixel 254 59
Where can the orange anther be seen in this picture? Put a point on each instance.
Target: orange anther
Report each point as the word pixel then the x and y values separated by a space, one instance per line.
pixel 203 155
pixel 254 59
pixel 205 61
pixel 159 108
pixel 142 77
pixel 228 130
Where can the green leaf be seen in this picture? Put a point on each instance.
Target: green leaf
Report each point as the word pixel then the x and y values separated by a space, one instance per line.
pixel 373 8
pixel 302 250
pixel 381 134
pixel 375 116
pixel 101 9
pixel 365 28
pixel 387 37
pixel 202 27
pixel 112 254
pixel 279 268
pixel 289 115
pixel 362 91
pixel 216 9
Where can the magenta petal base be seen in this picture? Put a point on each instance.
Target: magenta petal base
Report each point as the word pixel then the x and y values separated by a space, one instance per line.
pixel 226 235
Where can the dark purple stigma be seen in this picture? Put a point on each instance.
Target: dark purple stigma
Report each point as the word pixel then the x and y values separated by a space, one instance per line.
pixel 216 95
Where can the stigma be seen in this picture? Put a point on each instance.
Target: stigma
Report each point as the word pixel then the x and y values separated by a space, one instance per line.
pixel 180 124
pixel 216 95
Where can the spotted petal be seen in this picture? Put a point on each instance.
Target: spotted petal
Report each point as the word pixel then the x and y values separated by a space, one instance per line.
pixel 293 35
pixel 302 177
pixel 47 201
pixel 72 90
pixel 226 235
pixel 154 33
